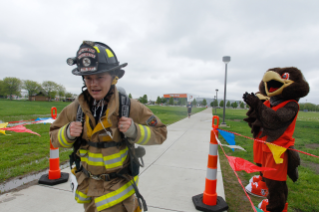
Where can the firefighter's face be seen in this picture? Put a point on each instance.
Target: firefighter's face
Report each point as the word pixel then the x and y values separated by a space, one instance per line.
pixel 98 85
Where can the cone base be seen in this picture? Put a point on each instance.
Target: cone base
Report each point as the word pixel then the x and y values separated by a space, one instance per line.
pixel 221 205
pixel 44 179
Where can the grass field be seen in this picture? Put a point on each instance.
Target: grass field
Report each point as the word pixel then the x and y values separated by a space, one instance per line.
pixel 304 194
pixel 23 153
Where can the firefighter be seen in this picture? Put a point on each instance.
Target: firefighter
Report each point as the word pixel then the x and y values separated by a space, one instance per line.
pixel 102 137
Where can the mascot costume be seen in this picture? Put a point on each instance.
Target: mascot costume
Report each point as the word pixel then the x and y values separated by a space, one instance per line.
pixel 274 122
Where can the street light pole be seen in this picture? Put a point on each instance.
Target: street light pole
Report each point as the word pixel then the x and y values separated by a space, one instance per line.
pixel 226 60
pixel 216 101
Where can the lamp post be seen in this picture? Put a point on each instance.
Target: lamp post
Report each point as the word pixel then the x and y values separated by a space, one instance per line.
pixel 226 60
pixel 216 101
pixel 214 105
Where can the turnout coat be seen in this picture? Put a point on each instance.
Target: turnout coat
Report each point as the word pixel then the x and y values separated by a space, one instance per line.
pixel 150 131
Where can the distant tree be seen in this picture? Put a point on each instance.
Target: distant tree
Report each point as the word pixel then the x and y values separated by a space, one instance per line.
pixel 228 104
pixel 204 102
pixel 130 96
pixel 143 99
pixel 183 101
pixel 50 87
pixel 12 86
pixel 179 101
pixel 1 88
pixel 31 86
pixel 163 100
pixel 158 100
pixel 53 94
pixel 61 91
pixel 234 105
pixel 242 105
pixel 214 103
pixel 68 95
pixel 171 101
pixel 221 103
pixel 194 103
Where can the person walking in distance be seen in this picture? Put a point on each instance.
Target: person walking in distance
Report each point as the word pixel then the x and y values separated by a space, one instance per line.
pixel 189 109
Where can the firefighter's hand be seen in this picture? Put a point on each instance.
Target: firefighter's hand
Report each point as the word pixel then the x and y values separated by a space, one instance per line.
pixel 124 124
pixel 75 128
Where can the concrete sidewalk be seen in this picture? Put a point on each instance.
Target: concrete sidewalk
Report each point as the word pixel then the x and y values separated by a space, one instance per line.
pixel 173 173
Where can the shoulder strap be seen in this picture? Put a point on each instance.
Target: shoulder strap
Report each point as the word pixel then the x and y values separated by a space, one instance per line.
pixel 79 141
pixel 79 114
pixel 125 103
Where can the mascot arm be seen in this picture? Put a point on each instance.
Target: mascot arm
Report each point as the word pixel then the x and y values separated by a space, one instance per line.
pixel 277 119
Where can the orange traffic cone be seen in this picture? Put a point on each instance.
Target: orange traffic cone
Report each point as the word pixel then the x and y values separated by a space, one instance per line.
pixel 209 201
pixel 55 175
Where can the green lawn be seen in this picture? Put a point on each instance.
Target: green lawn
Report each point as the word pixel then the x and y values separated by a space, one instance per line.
pixel 304 194
pixel 22 153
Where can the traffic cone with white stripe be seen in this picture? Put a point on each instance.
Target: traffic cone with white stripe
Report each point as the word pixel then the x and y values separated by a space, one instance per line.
pixel 55 176
pixel 209 201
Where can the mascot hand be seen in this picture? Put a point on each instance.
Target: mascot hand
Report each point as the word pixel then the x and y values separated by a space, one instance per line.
pixel 251 99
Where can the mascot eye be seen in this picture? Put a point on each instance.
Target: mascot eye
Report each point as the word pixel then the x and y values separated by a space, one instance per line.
pixel 285 76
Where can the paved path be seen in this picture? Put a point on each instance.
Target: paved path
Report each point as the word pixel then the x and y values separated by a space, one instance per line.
pixel 173 173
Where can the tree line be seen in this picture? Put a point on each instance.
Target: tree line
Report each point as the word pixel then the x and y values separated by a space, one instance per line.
pixel 228 104
pixel 10 86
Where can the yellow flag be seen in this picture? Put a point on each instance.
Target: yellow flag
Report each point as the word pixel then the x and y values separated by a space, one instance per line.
pixel 276 151
pixel 3 125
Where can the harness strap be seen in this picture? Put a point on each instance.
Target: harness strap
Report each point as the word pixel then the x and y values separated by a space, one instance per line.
pixel 105 144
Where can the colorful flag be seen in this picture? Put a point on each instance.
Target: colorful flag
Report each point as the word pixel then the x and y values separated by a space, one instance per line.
pixel 240 164
pixel 276 151
pixel 229 137
pixel 20 129
pixel 233 147
pixel 258 209
pixel 3 125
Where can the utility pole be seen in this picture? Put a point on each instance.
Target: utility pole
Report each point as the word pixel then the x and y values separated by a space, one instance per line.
pixel 226 60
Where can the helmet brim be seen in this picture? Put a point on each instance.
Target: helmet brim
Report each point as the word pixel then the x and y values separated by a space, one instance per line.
pixel 116 69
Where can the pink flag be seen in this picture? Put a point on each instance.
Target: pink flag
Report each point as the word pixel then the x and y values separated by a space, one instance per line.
pixel 240 164
pixel 20 129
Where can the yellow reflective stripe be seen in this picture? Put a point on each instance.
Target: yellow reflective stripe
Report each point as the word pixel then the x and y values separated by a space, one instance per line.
pixel 62 139
pixel 115 197
pixel 97 49
pixel 148 135
pixel 142 134
pixel 145 134
pixel 109 53
pixel 109 161
pixel 81 197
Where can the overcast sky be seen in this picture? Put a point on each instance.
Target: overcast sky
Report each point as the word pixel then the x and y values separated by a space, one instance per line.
pixel 171 46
